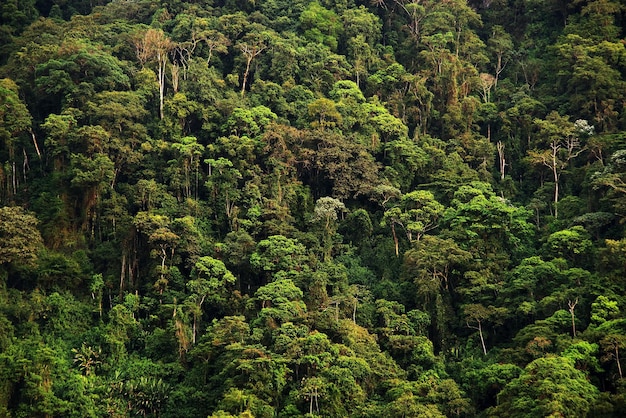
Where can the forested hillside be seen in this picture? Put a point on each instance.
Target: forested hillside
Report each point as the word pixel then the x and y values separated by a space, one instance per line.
pixel 282 208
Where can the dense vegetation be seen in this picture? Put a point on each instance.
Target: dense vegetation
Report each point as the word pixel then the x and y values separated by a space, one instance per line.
pixel 312 208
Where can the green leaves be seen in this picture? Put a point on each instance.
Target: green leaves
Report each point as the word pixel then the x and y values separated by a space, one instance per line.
pixel 14 116
pixel 212 278
pixel 277 254
pixel 548 386
pixel 20 240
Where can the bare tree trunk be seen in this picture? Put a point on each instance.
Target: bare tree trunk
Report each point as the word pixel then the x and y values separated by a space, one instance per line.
pixel 32 134
pixel 123 273
pixel 555 175
pixel 619 366
pixel 572 305
pixel 502 159
pixel 395 238
pixel 245 75
pixel 193 336
pixel 161 76
pixel 479 328
pixel 482 339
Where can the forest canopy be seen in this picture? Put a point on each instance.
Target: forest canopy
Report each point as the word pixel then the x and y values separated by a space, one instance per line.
pixel 388 208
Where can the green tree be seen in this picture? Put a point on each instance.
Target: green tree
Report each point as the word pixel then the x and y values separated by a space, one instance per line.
pixel 417 212
pixel 189 152
pixel 563 143
pixel 548 386
pixel 589 77
pixel 573 244
pixel 326 213
pixel 476 315
pixel 20 240
pixel 278 254
pixel 280 302
pixel 210 283
pixel 15 120
pixel 223 183
pixel 154 45
pixel 251 46
pixel 162 239
pixel 321 25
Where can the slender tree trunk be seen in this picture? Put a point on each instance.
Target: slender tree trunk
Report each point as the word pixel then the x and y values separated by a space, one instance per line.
pixel 556 198
pixel 245 76
pixel 482 339
pixel 501 157
pixel 162 59
pixel 163 260
pixel 619 366
pixel 395 238
pixel 555 175
pixel 193 336
pixel 123 273
pixel 479 328
pixel 32 134
pixel 572 305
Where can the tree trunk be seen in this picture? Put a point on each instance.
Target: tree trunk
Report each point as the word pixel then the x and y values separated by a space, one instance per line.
pixel 162 59
pixel 501 158
pixel 245 75
pixel 482 339
pixel 123 273
pixel 572 306
pixel 555 174
pixel 619 366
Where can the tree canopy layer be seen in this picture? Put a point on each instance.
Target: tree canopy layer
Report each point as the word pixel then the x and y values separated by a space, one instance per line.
pixel 312 208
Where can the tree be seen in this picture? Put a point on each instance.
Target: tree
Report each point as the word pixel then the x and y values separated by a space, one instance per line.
pixel 611 345
pixel 223 183
pixel 154 45
pixel 573 244
pixel 476 315
pixel 340 167
pixel 362 32
pixel 612 177
pixel 325 212
pixel 251 46
pixel 211 282
pixel 321 25
pixel 589 78
pixel 163 240
pixel 20 240
pixel 15 120
pixel 189 151
pixel 280 302
pixel 500 44
pixel 324 114
pixel 481 221
pixel 548 386
pixel 249 121
pixel 121 115
pixel 432 264
pixel 417 213
pixel 563 143
pixel 277 254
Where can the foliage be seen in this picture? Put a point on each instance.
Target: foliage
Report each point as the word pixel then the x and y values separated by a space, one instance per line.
pixel 312 208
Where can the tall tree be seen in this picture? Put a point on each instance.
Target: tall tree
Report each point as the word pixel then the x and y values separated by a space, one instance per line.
pixel 563 144
pixel 154 45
